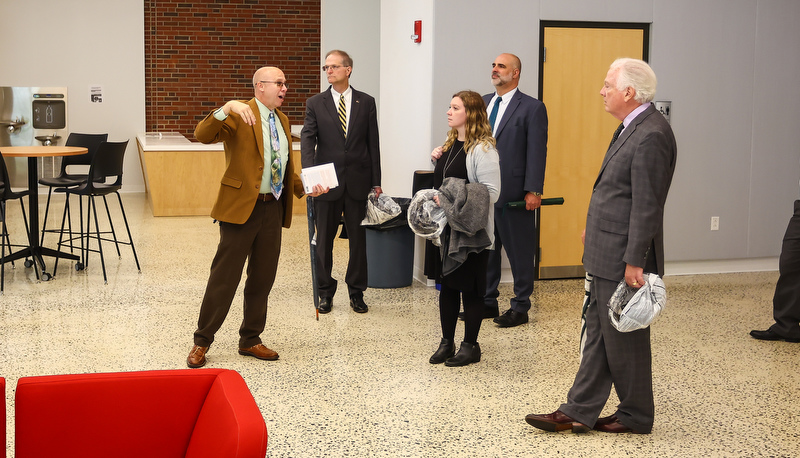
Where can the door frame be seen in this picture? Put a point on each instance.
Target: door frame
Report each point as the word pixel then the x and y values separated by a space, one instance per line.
pixel 644 27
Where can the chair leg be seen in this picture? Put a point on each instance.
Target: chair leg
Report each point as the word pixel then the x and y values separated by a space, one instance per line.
pixel 84 250
pixel 44 221
pixel 111 224
pixel 130 238
pixel 93 208
pixel 69 226
pixel 5 239
pixel 61 233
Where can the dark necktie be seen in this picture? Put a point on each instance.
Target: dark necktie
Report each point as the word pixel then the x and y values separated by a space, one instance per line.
pixel 493 115
pixel 616 135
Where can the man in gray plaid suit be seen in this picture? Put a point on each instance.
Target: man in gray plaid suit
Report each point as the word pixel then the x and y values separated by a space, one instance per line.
pixel 623 239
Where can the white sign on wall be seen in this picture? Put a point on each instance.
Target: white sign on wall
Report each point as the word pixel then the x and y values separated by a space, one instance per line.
pixel 96 94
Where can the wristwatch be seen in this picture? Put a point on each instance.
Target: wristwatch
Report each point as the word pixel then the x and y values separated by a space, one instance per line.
pixel 537 194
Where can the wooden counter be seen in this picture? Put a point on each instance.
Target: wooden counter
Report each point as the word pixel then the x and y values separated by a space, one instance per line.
pixel 182 177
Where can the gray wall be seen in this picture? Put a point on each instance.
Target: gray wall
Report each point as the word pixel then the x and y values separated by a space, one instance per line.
pixel 77 44
pixel 353 26
pixel 730 69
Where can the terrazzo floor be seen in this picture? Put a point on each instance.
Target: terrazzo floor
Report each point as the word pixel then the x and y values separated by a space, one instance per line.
pixel 353 385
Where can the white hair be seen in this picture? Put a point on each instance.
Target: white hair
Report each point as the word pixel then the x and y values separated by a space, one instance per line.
pixel 638 75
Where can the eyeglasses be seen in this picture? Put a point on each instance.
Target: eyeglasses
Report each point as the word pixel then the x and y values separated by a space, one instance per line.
pixel 280 84
pixel 325 68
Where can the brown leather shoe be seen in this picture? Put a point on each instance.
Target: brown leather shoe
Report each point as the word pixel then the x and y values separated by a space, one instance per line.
pixel 556 421
pixel 197 357
pixel 259 351
pixel 611 424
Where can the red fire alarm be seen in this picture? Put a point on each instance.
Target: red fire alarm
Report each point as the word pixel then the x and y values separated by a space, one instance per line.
pixel 417 37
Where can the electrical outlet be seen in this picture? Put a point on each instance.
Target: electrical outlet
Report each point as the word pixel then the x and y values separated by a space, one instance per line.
pixel 715 223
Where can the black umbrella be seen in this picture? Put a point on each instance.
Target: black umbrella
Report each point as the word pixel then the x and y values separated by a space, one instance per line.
pixel 312 243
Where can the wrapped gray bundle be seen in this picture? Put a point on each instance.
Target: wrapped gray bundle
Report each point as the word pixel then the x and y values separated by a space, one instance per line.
pixel 426 218
pixel 380 209
pixel 630 309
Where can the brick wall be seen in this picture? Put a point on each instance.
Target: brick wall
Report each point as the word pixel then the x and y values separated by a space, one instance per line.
pixel 200 54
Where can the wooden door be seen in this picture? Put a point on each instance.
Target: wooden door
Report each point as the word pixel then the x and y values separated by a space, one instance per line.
pixel 576 60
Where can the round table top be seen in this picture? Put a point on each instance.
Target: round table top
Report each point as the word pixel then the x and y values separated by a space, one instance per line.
pixel 42 151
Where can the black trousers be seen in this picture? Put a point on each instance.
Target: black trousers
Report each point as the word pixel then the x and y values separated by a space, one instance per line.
pixel 786 302
pixel 257 241
pixel 514 232
pixel 328 215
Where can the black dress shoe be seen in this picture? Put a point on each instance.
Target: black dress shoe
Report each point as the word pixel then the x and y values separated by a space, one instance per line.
pixel 467 354
pixel 770 335
pixel 446 349
pixel 488 312
pixel 511 318
pixel 325 304
pixel 358 304
pixel 556 421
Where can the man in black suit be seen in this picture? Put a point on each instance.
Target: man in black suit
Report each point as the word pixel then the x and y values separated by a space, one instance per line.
pixel 623 239
pixel 786 301
pixel 341 127
pixel 519 123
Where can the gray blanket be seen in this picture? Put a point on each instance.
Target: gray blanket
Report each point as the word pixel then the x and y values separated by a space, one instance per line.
pixel 466 206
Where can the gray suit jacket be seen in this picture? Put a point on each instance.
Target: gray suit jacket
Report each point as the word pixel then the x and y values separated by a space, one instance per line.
pixel 357 158
pixel 522 146
pixel 625 220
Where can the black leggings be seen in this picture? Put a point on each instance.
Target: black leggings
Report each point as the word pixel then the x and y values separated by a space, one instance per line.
pixel 449 306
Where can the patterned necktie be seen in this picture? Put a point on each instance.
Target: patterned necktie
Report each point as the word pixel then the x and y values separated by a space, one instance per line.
pixel 493 115
pixel 277 184
pixel 343 114
pixel 616 135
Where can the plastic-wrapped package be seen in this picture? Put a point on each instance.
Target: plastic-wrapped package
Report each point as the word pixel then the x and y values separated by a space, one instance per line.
pixel 380 209
pixel 426 218
pixel 630 309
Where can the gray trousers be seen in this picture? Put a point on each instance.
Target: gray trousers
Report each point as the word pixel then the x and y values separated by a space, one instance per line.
pixel 610 357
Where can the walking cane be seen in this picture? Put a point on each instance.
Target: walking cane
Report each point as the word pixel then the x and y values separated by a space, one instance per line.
pixel 312 243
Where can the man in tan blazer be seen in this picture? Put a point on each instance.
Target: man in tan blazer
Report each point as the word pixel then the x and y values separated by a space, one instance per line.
pixel 253 204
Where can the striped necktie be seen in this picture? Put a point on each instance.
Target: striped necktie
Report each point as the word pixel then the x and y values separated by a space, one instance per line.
pixel 343 114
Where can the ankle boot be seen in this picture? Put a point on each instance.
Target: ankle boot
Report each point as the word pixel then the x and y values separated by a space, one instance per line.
pixel 467 353
pixel 446 349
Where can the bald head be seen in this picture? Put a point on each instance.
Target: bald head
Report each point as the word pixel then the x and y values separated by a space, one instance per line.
pixel 269 85
pixel 506 69
pixel 264 73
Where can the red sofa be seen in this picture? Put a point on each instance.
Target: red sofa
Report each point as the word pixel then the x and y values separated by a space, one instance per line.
pixel 178 413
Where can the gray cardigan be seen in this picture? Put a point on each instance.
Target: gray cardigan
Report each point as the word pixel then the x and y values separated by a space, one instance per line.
pixel 483 166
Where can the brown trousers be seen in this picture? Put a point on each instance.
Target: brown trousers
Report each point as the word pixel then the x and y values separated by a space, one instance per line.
pixel 257 241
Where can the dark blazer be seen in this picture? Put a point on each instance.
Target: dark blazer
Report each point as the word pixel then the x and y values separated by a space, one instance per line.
pixel 625 220
pixel 357 158
pixel 522 146
pixel 244 159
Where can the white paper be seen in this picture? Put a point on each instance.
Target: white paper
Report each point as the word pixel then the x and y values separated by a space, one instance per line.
pixel 323 174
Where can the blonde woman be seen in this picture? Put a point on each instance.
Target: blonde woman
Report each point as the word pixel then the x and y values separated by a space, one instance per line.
pixel 468 153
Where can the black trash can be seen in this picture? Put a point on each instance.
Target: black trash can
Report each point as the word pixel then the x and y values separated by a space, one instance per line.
pixel 390 251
